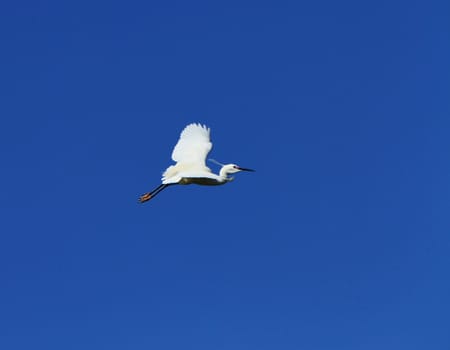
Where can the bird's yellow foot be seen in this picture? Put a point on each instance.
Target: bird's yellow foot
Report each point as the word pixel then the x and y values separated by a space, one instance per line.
pixel 145 197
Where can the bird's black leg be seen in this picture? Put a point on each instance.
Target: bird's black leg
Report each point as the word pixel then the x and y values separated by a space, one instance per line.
pixel 149 195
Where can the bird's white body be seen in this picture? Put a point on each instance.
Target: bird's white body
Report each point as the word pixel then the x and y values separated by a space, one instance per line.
pixel 190 154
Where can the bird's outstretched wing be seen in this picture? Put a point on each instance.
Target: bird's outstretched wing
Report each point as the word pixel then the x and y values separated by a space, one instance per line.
pixel 193 146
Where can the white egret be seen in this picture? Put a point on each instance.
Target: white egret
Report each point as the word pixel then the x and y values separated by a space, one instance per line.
pixel 190 154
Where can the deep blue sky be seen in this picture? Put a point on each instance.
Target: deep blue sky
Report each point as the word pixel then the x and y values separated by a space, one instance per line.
pixel 341 238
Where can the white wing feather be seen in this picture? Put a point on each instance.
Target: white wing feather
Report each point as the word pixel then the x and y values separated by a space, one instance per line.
pixel 190 154
pixel 193 146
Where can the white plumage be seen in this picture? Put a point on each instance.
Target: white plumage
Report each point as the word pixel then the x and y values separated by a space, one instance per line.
pixel 193 145
pixel 190 154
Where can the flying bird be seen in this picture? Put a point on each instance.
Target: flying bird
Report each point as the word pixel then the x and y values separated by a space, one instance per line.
pixel 190 155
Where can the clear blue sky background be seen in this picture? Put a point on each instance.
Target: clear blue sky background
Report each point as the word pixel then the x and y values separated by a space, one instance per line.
pixel 340 240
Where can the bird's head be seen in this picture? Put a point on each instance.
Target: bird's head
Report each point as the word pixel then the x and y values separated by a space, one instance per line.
pixel 233 168
pixel 229 169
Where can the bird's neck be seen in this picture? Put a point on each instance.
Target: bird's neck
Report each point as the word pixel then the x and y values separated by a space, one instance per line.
pixel 224 175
